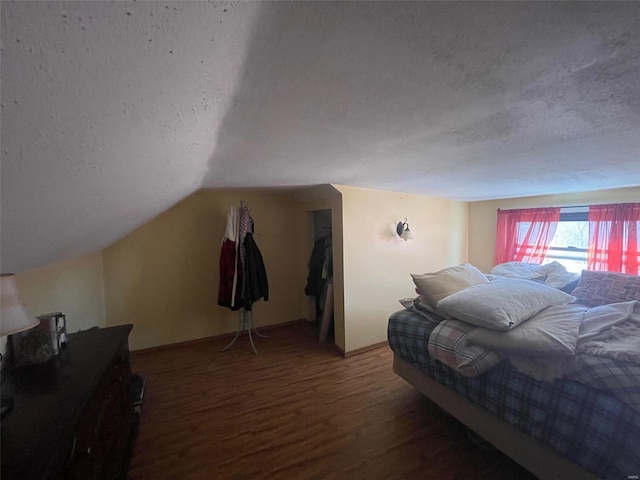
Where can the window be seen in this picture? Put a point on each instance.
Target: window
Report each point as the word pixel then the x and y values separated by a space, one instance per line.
pixel 614 238
pixel 570 243
pixel 523 235
pixel 597 237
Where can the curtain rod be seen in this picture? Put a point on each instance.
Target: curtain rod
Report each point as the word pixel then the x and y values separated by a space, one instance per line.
pixel 563 206
pixel 574 206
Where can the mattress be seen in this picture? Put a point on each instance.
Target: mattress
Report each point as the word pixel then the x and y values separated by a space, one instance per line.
pixel 588 426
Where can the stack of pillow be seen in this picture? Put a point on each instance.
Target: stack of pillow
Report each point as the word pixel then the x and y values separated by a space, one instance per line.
pixel 464 292
pixel 547 325
pixel 465 295
pixel 435 286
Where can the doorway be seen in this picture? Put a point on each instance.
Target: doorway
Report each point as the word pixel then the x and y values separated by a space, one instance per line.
pixel 319 286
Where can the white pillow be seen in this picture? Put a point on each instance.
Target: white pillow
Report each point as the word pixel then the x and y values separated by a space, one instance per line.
pixel 437 285
pixel 501 304
pixel 418 306
pixel 553 331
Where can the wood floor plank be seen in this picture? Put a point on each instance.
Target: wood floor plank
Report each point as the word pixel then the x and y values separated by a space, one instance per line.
pixel 297 410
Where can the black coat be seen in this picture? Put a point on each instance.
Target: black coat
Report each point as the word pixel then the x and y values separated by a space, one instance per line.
pixel 315 282
pixel 255 285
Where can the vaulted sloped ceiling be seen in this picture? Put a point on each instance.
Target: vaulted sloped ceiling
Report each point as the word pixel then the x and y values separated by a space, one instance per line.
pixel 114 111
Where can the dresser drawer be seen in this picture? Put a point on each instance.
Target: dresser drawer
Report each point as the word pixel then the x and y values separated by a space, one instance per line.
pixel 73 417
pixel 97 427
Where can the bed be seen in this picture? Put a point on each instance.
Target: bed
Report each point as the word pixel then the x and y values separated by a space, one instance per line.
pixel 580 421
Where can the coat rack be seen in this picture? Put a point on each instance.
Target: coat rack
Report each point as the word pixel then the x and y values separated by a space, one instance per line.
pixel 242 225
pixel 245 323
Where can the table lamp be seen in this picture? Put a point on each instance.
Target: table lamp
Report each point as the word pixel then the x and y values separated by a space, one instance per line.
pixel 13 319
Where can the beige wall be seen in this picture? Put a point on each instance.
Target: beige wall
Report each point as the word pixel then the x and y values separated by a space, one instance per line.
pixel 377 263
pixel 164 277
pixel 74 287
pixel 482 216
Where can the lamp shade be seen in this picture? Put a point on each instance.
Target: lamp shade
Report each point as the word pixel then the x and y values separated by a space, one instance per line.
pixel 407 235
pixel 13 317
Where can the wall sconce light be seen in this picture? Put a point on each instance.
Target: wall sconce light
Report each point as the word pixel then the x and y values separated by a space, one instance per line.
pixel 403 230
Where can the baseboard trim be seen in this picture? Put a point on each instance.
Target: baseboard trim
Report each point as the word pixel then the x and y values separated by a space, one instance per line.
pixel 197 341
pixel 358 351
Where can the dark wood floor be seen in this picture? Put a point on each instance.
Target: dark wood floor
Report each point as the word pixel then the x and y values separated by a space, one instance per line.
pixel 297 410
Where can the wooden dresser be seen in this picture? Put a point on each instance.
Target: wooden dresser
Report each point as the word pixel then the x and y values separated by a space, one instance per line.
pixel 73 416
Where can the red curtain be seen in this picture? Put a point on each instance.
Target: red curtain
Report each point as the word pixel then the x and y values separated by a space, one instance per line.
pixel 613 238
pixel 524 235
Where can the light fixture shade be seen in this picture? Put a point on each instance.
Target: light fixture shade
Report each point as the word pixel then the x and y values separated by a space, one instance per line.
pixel 402 229
pixel 13 317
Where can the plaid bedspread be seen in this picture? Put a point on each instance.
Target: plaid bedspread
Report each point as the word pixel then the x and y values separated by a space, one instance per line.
pixel 448 344
pixel 584 424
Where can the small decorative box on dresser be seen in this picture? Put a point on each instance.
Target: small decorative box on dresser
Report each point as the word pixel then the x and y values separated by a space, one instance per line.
pixel 73 416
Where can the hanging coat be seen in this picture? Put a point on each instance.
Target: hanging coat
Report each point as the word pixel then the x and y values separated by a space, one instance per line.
pixel 245 225
pixel 230 290
pixel 320 265
pixel 255 281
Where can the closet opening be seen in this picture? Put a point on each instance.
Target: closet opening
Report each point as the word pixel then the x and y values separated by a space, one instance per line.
pixel 319 286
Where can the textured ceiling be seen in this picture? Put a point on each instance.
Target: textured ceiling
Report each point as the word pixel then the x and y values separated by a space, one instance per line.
pixel 114 111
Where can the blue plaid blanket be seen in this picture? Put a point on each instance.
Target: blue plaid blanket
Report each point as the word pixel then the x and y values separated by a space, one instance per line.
pixel 588 426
